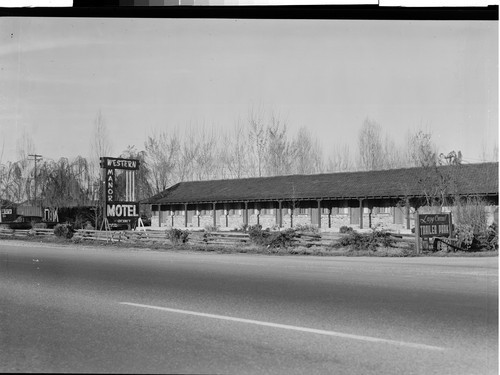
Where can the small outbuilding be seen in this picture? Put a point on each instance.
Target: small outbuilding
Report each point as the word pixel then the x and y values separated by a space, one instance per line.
pixel 328 201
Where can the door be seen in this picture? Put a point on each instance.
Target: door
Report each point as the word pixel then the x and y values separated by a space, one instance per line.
pixel 399 215
pixel 314 216
pixel 354 213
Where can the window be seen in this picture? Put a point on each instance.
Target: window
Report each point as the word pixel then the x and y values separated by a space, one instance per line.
pixel 384 210
pixel 267 209
pixel 303 211
pixel 325 211
pixel 344 211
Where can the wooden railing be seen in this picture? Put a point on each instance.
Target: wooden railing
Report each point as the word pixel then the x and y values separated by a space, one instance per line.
pixel 230 239
pixel 26 232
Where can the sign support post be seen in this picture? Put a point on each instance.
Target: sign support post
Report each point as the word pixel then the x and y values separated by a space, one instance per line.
pixel 417 234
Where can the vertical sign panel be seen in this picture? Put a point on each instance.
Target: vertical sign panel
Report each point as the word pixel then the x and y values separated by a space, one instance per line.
pixel 110 185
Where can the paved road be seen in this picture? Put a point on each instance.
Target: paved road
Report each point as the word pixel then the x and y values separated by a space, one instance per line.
pixel 96 310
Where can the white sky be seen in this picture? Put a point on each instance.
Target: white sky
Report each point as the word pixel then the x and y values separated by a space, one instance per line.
pixel 328 75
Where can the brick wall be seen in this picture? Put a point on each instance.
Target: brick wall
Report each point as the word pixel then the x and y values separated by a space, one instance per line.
pixel 235 221
pixel 336 221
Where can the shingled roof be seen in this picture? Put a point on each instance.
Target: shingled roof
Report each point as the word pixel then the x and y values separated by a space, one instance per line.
pixel 467 179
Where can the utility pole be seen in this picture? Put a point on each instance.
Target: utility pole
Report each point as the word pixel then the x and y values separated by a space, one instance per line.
pixel 35 157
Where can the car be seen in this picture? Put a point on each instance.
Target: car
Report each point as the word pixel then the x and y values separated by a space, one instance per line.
pixel 22 222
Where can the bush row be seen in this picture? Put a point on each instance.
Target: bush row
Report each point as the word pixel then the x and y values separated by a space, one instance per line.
pixel 471 239
pixel 270 238
pixel 64 230
pixel 362 241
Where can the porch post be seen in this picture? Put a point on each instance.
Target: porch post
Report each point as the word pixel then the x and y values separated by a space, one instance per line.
pixel 319 213
pixel 215 215
pixel 280 214
pixel 245 214
pixel 185 215
pixel 407 206
pixel 361 213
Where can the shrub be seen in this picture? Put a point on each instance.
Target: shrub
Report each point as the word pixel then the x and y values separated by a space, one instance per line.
pixel 366 241
pixel 346 229
pixel 211 228
pixel 177 235
pixel 306 228
pixel 471 226
pixel 64 230
pixel 281 239
pixel 270 239
pixel 490 240
pixel 257 235
pixel 483 241
pixel 88 226
pixel 465 235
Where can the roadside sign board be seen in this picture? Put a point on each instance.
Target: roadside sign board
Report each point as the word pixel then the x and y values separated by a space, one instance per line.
pixel 434 225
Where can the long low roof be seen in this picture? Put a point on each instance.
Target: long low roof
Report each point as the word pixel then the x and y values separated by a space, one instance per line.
pixel 466 179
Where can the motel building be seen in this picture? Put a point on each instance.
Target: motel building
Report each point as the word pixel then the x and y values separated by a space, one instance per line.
pixel 361 200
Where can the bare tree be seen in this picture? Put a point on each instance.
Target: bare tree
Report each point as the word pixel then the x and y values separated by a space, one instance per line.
pixel 279 153
pixel 12 183
pixel 234 152
pixel 142 175
pixel 485 155
pixel 24 172
pixel 371 149
pixel 162 152
pixel 393 155
pixel 339 159
pixel 100 144
pixel 422 152
pixel 184 166
pixel 307 154
pixel 258 141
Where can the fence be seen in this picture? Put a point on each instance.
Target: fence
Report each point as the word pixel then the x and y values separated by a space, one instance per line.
pixel 26 232
pixel 230 239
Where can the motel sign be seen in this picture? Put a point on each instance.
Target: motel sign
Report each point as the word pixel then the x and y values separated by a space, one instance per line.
pixel 120 211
